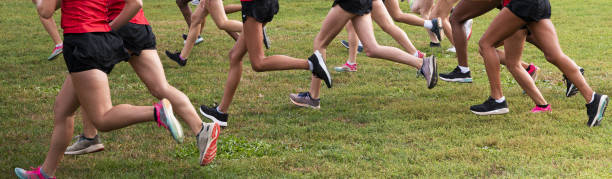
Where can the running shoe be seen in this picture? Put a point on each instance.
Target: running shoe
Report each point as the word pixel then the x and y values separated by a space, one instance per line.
pixel 596 109
pixel 165 118
pixel 84 145
pixel 490 107
pixel 457 76
pixel 571 90
pixel 346 45
pixel 429 70
pixel 420 54
pixel 195 2
pixel 207 142
pixel 198 40
pixel 319 69
pixel 538 109
pixel 437 28
pixel 452 49
pixel 176 57
pixel 533 71
pixel 433 44
pixel 31 174
pixel 214 115
pixel 303 99
pixel 468 28
pixel 346 68
pixel 56 52
pixel 266 40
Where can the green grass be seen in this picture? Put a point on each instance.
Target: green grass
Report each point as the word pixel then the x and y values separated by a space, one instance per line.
pixel 378 122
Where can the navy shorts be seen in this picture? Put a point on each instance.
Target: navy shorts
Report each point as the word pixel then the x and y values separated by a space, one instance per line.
pixel 137 37
pixel 94 50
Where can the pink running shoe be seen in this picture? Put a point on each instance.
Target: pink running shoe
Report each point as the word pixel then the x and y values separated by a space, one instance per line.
pixel 420 54
pixel 538 109
pixel 533 71
pixel 164 117
pixel 346 67
pixel 56 52
pixel 34 173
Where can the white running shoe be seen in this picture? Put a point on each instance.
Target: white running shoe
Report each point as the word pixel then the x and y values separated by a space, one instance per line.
pixel 452 50
pixel 195 2
pixel 468 28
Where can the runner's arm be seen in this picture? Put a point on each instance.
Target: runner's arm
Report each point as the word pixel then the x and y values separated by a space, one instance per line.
pixel 46 8
pixel 129 11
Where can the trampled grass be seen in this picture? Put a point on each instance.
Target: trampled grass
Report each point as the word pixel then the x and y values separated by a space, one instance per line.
pixel 378 122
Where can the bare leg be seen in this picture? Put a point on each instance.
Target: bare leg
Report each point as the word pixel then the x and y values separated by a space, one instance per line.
pixel 383 19
pixel 465 10
pixel 66 103
pixel 353 42
pixel 149 68
pixel 442 10
pixel 51 28
pixel 89 130
pixel 514 46
pixel 194 30
pixel 544 31
pixel 234 74
pixel 259 62
pixel 423 7
pixel 399 16
pixel 215 8
pixel 185 10
pixel 332 25
pixel 502 27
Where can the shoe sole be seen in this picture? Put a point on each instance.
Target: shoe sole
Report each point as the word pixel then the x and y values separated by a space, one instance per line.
pixel 601 109
pixel 91 149
pixel 469 34
pixel 494 112
pixel 173 125
pixel 458 80
pixel 434 76
pixel 304 105
pixel 266 40
pixel 322 64
pixel 211 146
pixel 214 119
pixel 343 70
pixel 53 56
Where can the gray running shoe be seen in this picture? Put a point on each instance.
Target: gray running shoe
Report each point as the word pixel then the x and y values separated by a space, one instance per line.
pixel 85 146
pixel 207 142
pixel 303 99
pixel 429 69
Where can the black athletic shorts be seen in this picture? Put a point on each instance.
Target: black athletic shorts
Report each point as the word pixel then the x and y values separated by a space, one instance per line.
pixel 137 37
pixel 530 10
pixel 95 50
pixel 359 7
pixel 262 10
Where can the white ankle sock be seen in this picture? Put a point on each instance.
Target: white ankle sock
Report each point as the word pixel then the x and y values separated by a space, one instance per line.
pixel 416 54
pixel 219 110
pixel 347 62
pixel 428 24
pixel 501 100
pixel 310 65
pixel 592 98
pixel 464 69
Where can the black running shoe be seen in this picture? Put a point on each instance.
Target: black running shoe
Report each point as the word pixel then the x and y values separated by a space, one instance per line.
pixel 571 89
pixel 176 57
pixel 198 40
pixel 437 28
pixel 596 109
pixel 456 76
pixel 346 44
pixel 266 40
pixel 433 44
pixel 214 115
pixel 490 107
pixel 319 69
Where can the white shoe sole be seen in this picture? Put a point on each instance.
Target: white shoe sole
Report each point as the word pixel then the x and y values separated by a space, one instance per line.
pixel 173 124
pixel 304 105
pixel 90 149
pixel 322 64
pixel 494 112
pixel 603 103
pixel 215 120
pixel 458 80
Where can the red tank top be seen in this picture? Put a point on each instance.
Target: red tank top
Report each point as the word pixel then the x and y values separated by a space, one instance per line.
pixel 83 16
pixel 506 2
pixel 115 8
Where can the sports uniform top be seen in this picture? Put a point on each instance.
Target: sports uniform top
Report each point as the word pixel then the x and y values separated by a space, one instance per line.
pixel 117 5
pixel 83 16
pixel 505 2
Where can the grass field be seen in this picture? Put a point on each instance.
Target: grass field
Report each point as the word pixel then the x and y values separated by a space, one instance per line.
pixel 378 122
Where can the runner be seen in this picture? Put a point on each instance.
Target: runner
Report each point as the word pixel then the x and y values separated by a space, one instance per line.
pixel 92 50
pixel 183 5
pixel 381 16
pixel 139 39
pixel 51 28
pixel 215 8
pixel 358 12
pixel 422 7
pixel 255 14
pixel 535 14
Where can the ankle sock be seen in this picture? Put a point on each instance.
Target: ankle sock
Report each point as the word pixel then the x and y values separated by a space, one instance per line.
pixel 464 69
pixel 428 24
pixel 219 111
pixel 310 65
pixel 543 106
pixel 349 63
pixel 501 100
pixel 59 45
pixel 592 98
